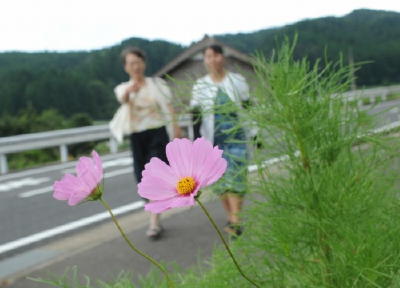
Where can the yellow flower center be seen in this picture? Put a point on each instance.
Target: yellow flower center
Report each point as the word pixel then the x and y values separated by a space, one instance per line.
pixel 186 185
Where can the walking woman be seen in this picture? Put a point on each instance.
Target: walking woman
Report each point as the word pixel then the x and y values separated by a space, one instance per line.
pixel 220 95
pixel 150 111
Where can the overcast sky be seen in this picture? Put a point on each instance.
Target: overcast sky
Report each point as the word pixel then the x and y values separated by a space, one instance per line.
pixel 64 25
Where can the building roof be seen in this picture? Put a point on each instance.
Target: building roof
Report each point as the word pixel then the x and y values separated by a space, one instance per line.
pixel 198 47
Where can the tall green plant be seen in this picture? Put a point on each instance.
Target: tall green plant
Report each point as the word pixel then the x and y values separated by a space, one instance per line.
pixel 330 218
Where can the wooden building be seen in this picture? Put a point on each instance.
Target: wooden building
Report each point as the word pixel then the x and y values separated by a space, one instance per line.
pixel 189 64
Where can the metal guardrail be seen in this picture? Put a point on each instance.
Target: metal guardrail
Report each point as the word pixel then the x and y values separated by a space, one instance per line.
pixel 60 138
pixel 63 138
pixel 371 95
pixel 39 140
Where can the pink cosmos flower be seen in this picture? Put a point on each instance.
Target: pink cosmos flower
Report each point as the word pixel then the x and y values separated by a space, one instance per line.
pixel 84 186
pixel 192 166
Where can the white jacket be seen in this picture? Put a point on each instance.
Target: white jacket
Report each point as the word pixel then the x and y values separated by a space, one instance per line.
pixel 204 92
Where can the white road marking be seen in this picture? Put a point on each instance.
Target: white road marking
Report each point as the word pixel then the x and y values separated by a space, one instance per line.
pixel 56 167
pixel 112 163
pixel 118 172
pixel 31 181
pixel 35 192
pixel 50 188
pixel 270 162
pixel 25 241
pixel 118 162
pixel 10 185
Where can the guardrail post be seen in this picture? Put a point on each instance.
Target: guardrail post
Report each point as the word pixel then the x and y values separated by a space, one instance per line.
pixel 185 122
pixel 372 99
pixel 64 153
pixel 384 95
pixel 3 164
pixel 113 145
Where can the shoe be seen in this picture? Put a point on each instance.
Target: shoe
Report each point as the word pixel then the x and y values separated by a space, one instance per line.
pixel 234 230
pixel 154 233
pixel 227 226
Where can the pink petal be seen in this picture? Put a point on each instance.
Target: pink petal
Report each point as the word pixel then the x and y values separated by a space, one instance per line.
pixel 59 193
pixel 98 166
pixel 65 187
pixel 158 169
pixel 157 190
pixel 89 179
pixel 201 148
pixel 88 172
pixel 70 188
pixel 76 199
pixel 180 156
pixel 217 170
pixel 163 205
pixel 209 165
pixel 84 164
pixel 158 181
pixel 75 189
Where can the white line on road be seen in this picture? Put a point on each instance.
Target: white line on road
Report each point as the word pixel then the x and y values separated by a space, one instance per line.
pixel 36 192
pixel 25 241
pixel 119 172
pixel 270 162
pixel 51 168
pixel 22 182
pixel 107 164
pixel 118 162
pixel 30 181
pixel 50 188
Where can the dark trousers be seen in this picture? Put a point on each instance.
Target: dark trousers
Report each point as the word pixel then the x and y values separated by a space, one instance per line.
pixel 145 145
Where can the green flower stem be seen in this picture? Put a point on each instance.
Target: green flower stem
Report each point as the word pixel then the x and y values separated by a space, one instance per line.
pixel 130 244
pixel 225 243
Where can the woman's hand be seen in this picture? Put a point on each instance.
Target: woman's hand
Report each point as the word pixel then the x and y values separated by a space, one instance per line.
pixel 177 131
pixel 134 88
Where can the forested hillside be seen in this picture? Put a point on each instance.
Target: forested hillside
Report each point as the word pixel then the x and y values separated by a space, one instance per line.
pixel 369 35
